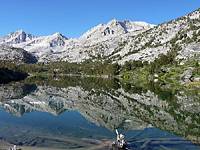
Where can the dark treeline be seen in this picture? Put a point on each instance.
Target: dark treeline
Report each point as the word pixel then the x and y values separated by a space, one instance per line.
pixel 7 75
pixel 87 83
pixel 91 68
pixel 86 68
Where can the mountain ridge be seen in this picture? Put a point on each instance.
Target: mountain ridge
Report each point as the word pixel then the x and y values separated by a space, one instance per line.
pixel 117 42
pixel 44 46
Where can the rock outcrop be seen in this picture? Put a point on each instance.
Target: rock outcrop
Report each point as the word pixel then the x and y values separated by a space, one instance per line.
pixel 16 55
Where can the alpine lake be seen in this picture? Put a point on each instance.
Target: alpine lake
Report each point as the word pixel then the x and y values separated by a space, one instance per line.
pixel 82 114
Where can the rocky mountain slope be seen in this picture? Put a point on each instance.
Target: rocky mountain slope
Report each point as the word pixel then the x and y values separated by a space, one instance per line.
pixel 16 55
pixel 57 47
pixel 181 35
pixel 116 41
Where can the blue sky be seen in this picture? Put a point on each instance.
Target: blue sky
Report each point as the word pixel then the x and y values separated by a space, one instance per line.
pixel 74 17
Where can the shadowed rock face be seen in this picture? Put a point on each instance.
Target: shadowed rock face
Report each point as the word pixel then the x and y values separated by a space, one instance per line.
pixel 17 55
pixel 111 108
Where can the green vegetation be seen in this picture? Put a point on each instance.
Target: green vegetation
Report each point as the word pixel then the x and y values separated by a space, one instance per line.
pixel 165 70
pixel 61 68
pixel 137 76
pixel 88 83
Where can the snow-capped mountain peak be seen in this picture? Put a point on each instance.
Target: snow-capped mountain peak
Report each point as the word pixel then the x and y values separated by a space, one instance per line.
pixel 57 39
pixel 115 28
pixel 137 25
pixel 116 41
pixel 16 37
pixel 58 35
pixel 57 46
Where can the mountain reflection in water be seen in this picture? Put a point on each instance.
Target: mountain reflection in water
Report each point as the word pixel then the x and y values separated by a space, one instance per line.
pixel 46 113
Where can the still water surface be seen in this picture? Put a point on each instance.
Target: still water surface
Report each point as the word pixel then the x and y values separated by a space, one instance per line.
pixel 77 114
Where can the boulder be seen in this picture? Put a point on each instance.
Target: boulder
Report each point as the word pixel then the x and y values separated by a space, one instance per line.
pixel 187 75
